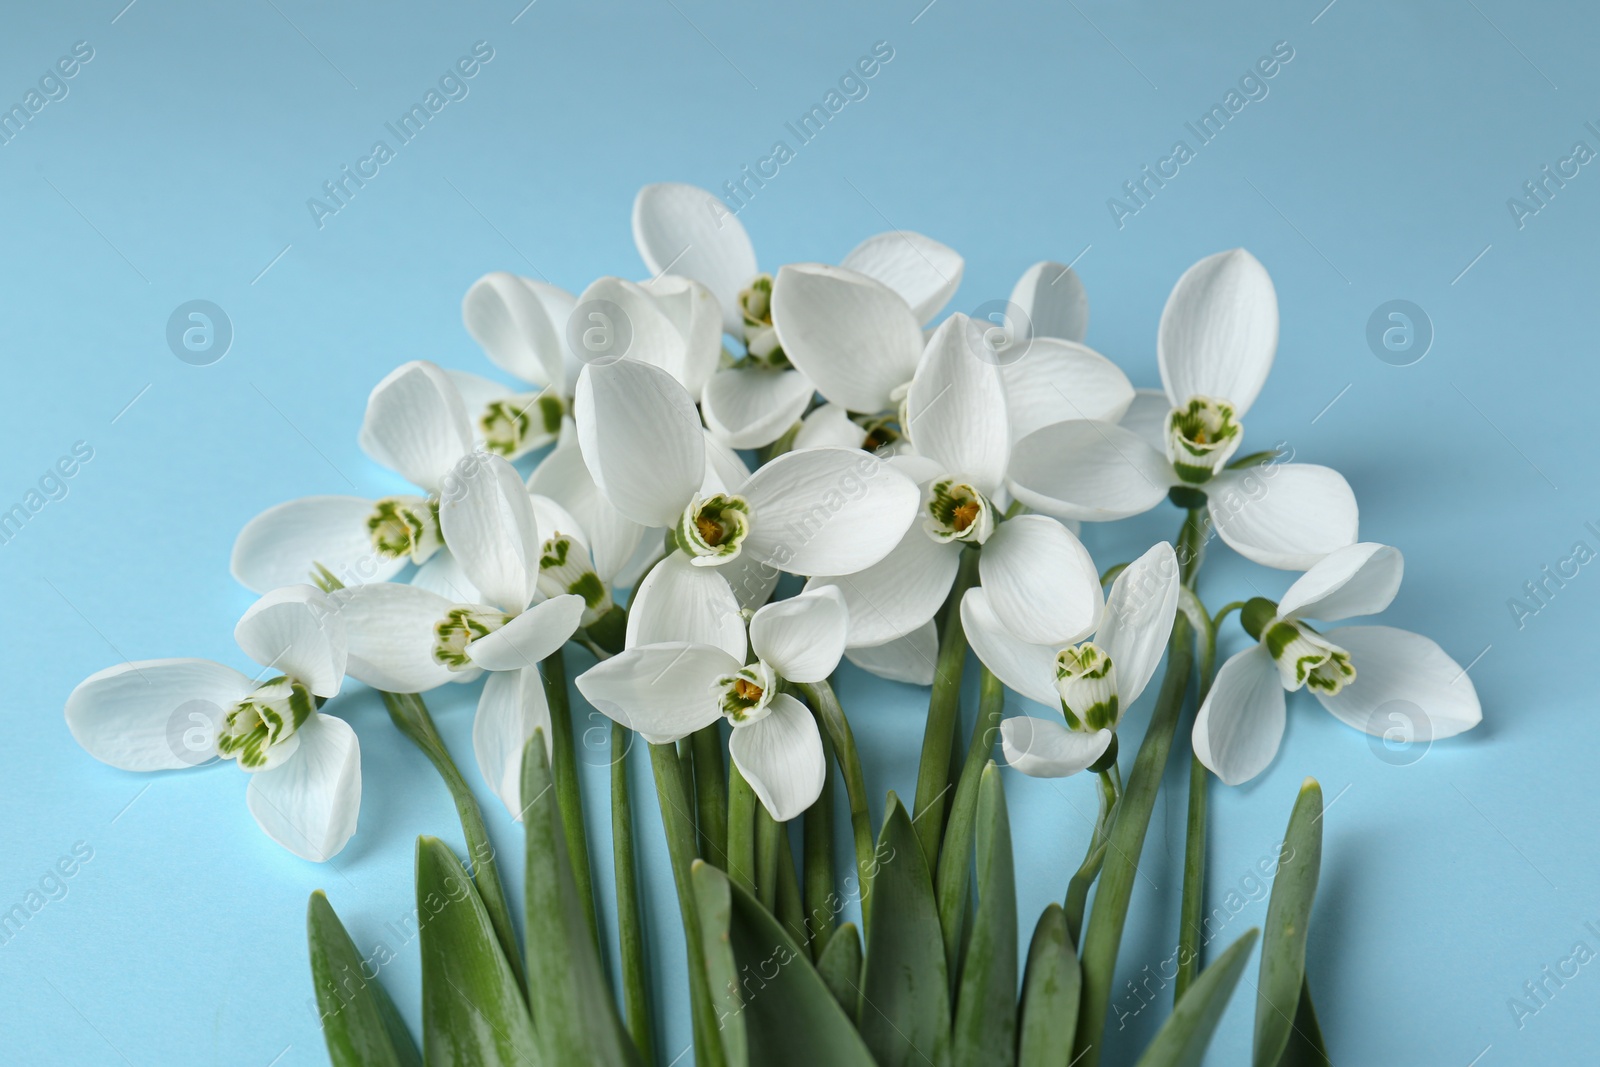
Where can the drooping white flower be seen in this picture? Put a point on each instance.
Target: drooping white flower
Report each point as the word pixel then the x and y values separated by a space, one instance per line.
pixel 1092 682
pixel 668 688
pixel 1218 335
pixel 1367 676
pixel 824 510
pixel 416 425
pixel 304 765
pixel 406 639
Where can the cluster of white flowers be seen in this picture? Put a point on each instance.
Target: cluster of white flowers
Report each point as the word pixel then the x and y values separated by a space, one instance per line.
pixel 890 450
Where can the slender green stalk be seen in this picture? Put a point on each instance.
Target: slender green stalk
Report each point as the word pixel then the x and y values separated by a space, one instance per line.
pixel 767 833
pixel 564 770
pixel 790 908
pixel 1093 859
pixel 955 860
pixel 742 806
pixel 630 923
pixel 944 708
pixel 410 715
pixel 818 854
pixel 1194 846
pixel 677 819
pixel 826 706
pixel 711 794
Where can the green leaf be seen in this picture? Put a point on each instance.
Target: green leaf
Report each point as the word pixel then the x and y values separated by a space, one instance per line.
pixel 573 1011
pixel 359 1021
pixel 986 1000
pixel 1182 1039
pixel 790 1018
pixel 714 898
pixel 1306 1048
pixel 955 854
pixel 904 1010
pixel 840 967
pixel 1050 988
pixel 1283 950
pixel 472 1006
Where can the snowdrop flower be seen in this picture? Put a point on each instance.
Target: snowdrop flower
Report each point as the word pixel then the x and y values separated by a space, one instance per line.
pixel 304 765
pixel 1093 682
pixel 1367 676
pixel 1218 335
pixel 669 689
pixel 825 510
pixel 416 425
pixel 1038 576
pixel 542 335
pixel 685 230
pixel 406 639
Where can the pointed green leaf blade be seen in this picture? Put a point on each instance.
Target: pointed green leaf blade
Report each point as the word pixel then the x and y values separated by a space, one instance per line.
pixel 904 1010
pixel 985 1033
pixel 714 899
pixel 1182 1039
pixel 1050 989
pixel 1283 949
pixel 472 1006
pixel 571 1001
pixel 840 967
pixel 359 1022
pixel 1306 1047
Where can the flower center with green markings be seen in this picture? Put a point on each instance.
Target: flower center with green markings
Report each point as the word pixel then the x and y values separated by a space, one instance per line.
pixel 564 567
pixel 713 529
pixel 1202 436
pixel 958 512
pixel 462 625
pixel 263 721
pixel 513 425
pixel 406 526
pixel 1305 658
pixel 745 696
pixel 1087 682
pixel 760 337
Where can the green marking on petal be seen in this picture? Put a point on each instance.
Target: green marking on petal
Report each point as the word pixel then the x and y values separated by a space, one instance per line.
pixel 265 719
pixel 406 526
pixel 958 512
pixel 745 696
pixel 515 425
pixel 1201 437
pixel 712 530
pixel 1305 658
pixel 1086 679
pixel 760 338
pixel 462 625
pixel 565 567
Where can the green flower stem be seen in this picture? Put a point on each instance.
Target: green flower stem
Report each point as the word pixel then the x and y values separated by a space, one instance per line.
pixel 767 833
pixel 711 794
pixel 564 771
pixel 630 923
pixel 1194 848
pixel 817 843
pixel 791 909
pixel 1094 858
pixel 944 708
pixel 410 715
pixel 956 858
pixel 825 704
pixel 1102 936
pixel 677 819
pixel 742 806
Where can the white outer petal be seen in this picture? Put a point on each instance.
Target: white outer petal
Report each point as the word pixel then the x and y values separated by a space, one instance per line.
pixel 389 628
pixel 924 272
pixel 442 574
pixel 1053 298
pixel 281 545
pixel 829 426
pixel 650 333
pixel 488 522
pixel 725 472
pixel 827 511
pixel 781 757
pixel 1219 331
pixel 612 537
pixel 1404 681
pixel 1027 668
pixel 309 804
pixel 912 659
pixel 1056 381
pixel 1088 471
pixel 1147 417
pixel 297 631
pixel 1042 748
pixel 1359 580
pixel 900 592
pixel 802 638
pixel 1240 725
pixel 510 708
pixel 678 601
pixel 521 325
pixel 956 409
pixel 662 691
pixel 855 338
pixel 641 439
pixel 416 424
pixel 144 716
pixel 530 637
pixel 692 233
pixel 1284 515
pixel 1138 620
pixel 694 313
pixel 750 407
pixel 1041 581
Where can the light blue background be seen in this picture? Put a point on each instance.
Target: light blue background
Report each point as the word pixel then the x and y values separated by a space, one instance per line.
pixel 1378 168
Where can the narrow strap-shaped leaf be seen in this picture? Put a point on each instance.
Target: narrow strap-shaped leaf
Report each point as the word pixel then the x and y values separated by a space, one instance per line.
pixel 630 923
pixel 904 1013
pixel 790 1018
pixel 472 1006
pixel 985 1033
pixel 950 883
pixel 360 1024
pixel 1283 949
pixel 741 823
pixel 791 910
pixel 1050 987
pixel 564 770
pixel 821 899
pixel 840 967
pixel 714 899
pixel 1182 1039
pixel 711 794
pixel 944 714
pixel 1306 1047
pixel 573 1009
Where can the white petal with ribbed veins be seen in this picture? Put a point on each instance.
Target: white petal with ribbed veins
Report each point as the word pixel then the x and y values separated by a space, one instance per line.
pixel 1360 580
pixel 685 230
pixel 781 757
pixel 663 691
pixel 751 579
pixel 854 337
pixel 827 511
pixel 1041 581
pixel 1055 381
pixel 488 522
pixel 1043 748
pixel 154 715
pixel 924 272
pixel 1219 331
pixel 1053 298
pixel 612 537
pixel 645 332
pixel 956 409
pixel 1139 612
pixel 1089 471
pixel 749 407
pixel 678 601
pixel 1028 668
pixel 1284 515
pixel 310 803
pixel 801 638
pixel 829 426
pixel 694 313
pixel 282 545
pixel 1240 725
pixel 900 592
pixel 1147 417
pixel 510 708
pixel 911 659
pixel 389 628
pixel 530 637
pixel 521 325
pixel 442 574
pixel 296 631
pixel 1406 686
pixel 416 424
pixel 641 439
